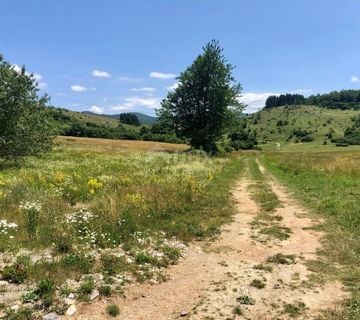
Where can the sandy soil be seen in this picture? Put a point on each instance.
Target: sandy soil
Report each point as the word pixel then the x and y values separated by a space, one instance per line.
pixel 215 278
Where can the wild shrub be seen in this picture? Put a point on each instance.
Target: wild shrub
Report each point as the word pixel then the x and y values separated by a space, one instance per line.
pixel 112 310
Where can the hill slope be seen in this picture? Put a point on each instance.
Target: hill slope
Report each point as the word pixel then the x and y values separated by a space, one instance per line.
pixel 89 117
pixel 143 118
pixel 278 124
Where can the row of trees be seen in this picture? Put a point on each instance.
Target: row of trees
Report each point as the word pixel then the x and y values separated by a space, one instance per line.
pixel 345 99
pixel 284 99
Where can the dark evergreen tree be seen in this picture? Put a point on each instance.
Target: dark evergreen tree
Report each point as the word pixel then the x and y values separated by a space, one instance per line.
pixel 129 118
pixel 284 99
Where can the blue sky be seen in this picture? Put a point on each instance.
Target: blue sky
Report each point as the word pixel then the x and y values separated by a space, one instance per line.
pixel 118 56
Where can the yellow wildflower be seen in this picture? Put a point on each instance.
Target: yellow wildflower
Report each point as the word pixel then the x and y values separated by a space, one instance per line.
pixel 94 185
pixel 59 177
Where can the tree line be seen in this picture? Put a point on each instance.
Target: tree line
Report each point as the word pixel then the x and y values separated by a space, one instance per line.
pixel 284 99
pixel 344 100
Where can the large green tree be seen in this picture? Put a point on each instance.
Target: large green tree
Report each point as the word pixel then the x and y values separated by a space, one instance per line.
pixel 24 125
pixel 205 101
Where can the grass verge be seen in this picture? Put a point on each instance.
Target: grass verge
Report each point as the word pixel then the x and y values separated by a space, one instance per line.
pixel 329 183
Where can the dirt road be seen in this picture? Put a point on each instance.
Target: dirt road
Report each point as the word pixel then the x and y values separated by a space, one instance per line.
pixel 237 276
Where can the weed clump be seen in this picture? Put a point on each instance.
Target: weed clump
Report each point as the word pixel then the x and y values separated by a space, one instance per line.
pixel 112 310
pixel 245 300
pixel 105 290
pixel 237 311
pixel 294 309
pixel 280 258
pixel 263 267
pixel 257 283
pixel 86 287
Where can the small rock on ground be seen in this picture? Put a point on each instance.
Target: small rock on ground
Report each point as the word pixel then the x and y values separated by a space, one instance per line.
pixel 71 310
pixel 50 316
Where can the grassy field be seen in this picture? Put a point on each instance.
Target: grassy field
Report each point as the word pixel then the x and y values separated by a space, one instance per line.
pixel 314 119
pixel 329 183
pixel 115 146
pixel 91 215
pixel 96 214
pixel 312 147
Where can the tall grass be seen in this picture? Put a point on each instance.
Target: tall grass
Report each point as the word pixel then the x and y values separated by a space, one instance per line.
pixel 90 200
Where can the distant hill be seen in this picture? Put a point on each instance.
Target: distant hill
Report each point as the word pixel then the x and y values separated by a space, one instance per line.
pixel 143 118
pixel 90 117
pixel 297 123
pixel 91 125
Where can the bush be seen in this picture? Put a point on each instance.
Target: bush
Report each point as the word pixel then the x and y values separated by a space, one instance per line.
pixel 46 291
pixel 243 140
pixel 111 264
pixel 86 287
pixel 105 291
pixel 16 273
pixel 63 244
pixel 78 261
pixel 307 138
pixel 112 310
pixel 342 144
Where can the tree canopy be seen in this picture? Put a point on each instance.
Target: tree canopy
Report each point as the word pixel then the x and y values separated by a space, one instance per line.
pixel 284 99
pixel 24 126
pixel 204 102
pixel 129 118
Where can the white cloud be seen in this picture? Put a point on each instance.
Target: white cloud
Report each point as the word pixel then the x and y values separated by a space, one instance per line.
pixel 121 107
pixel 101 74
pixel 97 109
pixel 42 85
pixel 160 75
pixel 173 86
pixel 78 88
pixel 37 76
pixel 255 101
pixel 354 79
pixel 146 89
pixel 134 101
